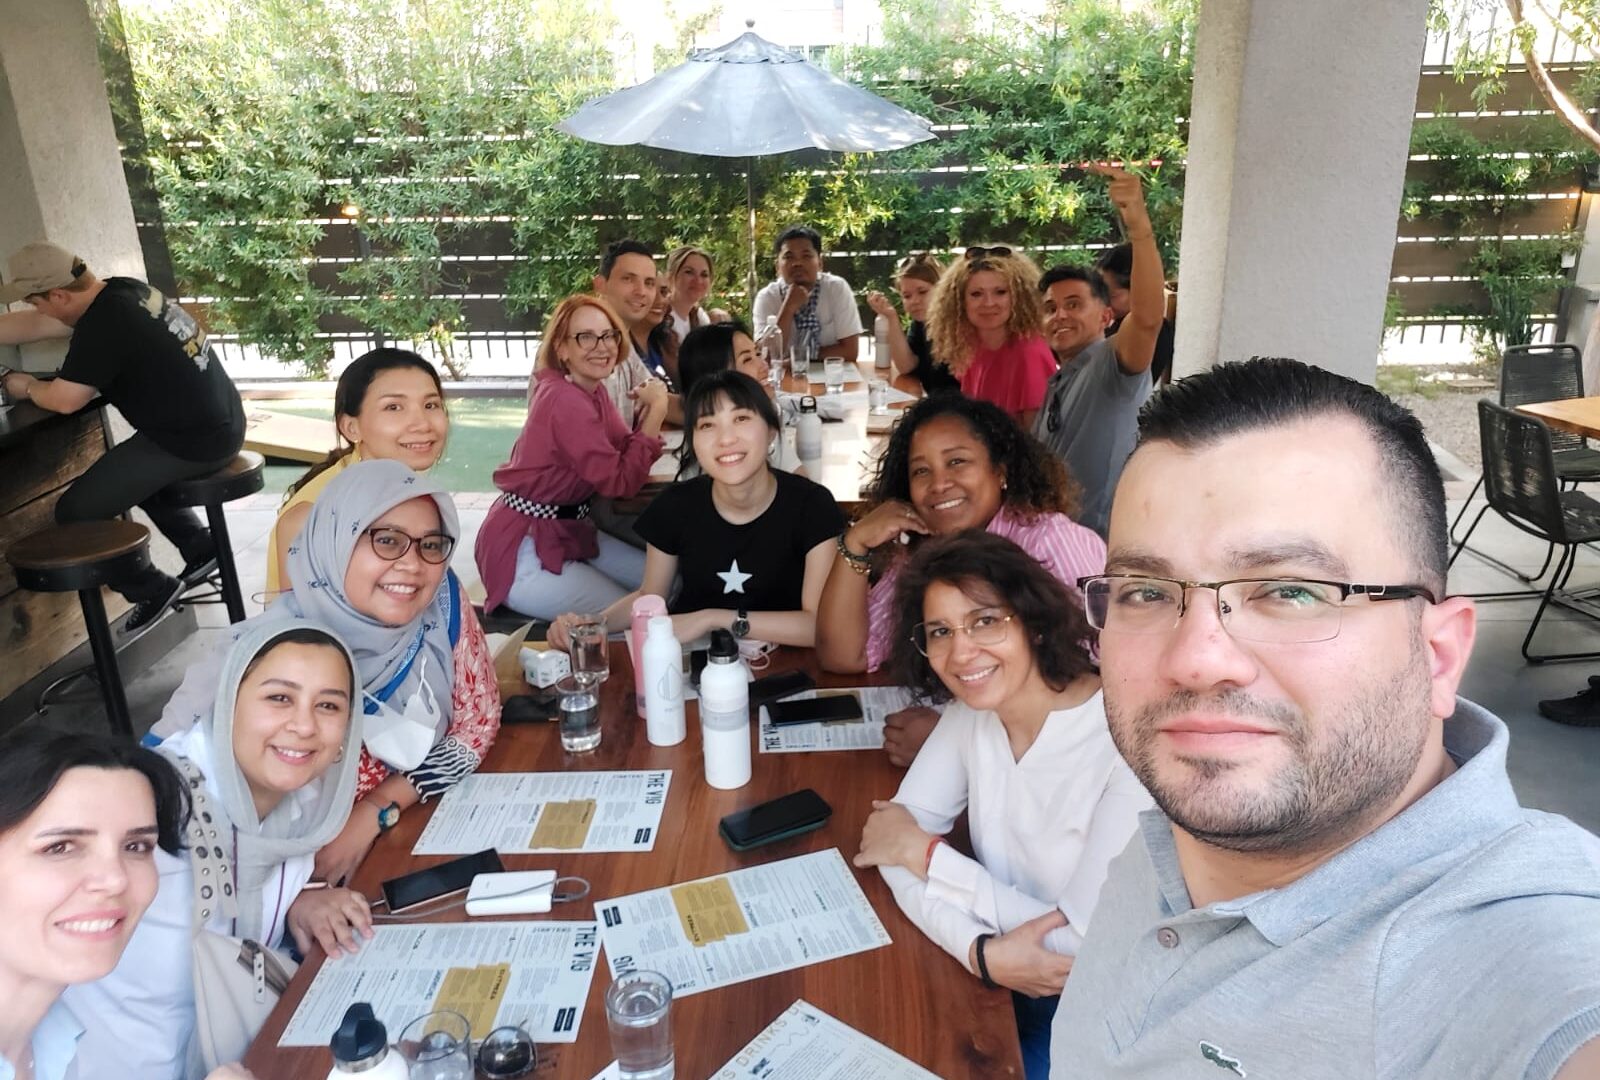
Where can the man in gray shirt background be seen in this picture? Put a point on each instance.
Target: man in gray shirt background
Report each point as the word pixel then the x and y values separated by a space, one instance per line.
pixel 1339 881
pixel 1091 406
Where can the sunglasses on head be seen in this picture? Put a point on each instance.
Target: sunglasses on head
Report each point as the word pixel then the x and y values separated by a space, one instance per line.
pixel 988 253
pixel 920 258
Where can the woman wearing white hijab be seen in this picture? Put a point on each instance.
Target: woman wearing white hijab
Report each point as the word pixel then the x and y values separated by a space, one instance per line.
pixel 271 767
pixel 371 564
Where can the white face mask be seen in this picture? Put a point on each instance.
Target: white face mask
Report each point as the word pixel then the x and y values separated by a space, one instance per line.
pixel 401 740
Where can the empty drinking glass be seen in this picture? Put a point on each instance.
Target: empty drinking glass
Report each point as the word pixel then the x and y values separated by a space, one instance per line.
pixel 580 714
pixel 833 374
pixel 639 1014
pixel 438 1046
pixel 589 648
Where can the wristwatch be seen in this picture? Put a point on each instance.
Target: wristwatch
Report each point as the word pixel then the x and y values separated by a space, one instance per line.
pixel 388 817
pixel 741 624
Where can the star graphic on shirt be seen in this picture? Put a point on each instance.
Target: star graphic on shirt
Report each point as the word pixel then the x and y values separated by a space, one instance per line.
pixel 732 579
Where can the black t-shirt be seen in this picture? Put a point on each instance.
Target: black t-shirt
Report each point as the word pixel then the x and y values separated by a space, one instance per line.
pixel 933 375
pixel 149 358
pixel 760 566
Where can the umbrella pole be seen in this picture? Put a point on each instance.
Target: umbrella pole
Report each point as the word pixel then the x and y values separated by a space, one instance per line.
pixel 750 207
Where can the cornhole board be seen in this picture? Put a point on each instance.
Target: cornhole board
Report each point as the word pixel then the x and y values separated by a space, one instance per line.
pixel 280 435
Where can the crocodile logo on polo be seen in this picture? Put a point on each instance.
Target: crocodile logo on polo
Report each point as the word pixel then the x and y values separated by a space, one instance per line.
pixel 1215 1055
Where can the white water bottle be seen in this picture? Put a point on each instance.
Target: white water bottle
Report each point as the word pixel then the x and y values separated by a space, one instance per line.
pixel 808 431
pixel 725 714
pixel 361 1048
pixel 880 343
pixel 663 684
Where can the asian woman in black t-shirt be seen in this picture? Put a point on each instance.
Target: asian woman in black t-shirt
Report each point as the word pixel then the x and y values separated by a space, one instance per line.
pixel 753 544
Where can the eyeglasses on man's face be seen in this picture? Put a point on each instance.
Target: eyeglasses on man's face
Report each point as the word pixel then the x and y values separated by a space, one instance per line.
pixel 390 544
pixel 935 639
pixel 589 341
pixel 1279 611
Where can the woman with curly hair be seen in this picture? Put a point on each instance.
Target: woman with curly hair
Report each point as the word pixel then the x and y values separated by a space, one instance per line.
pixel 984 322
pixel 1022 748
pixel 952 463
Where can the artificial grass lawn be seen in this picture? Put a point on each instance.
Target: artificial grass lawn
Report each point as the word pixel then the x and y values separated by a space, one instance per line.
pixel 481 433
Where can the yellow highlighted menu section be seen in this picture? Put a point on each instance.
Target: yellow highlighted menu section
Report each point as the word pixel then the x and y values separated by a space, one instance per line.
pixel 475 993
pixel 564 825
pixel 708 911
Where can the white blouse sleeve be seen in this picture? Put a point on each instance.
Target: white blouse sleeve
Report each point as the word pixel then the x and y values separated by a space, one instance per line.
pixel 935 792
pixel 1115 820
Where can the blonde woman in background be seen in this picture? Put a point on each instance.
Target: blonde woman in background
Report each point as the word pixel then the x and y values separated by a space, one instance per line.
pixel 986 325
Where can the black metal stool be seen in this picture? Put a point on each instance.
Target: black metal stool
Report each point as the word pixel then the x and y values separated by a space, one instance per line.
pixel 81 558
pixel 240 477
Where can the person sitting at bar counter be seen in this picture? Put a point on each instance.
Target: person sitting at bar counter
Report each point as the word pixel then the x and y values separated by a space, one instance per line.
pixel 371 565
pixel 144 354
pixel 1023 749
pixel 952 463
pixel 275 753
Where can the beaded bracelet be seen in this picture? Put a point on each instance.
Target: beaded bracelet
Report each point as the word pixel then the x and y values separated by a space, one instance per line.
pixel 861 564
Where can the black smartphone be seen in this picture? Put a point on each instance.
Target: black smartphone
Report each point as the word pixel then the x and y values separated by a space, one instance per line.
pixel 770 688
pixel 420 886
pixel 789 815
pixel 815 710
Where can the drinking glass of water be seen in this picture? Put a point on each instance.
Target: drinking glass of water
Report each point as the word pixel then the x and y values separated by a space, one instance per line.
pixel 833 374
pixel 438 1046
pixel 639 1014
pixel 588 646
pixel 878 397
pixel 580 714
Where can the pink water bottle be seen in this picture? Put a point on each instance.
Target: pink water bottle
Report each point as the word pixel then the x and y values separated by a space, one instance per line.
pixel 644 608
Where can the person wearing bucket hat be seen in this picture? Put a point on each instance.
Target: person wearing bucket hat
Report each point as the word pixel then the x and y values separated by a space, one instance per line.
pixel 144 354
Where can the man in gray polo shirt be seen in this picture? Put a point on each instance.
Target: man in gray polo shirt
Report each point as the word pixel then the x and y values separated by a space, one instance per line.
pixel 1091 406
pixel 1339 882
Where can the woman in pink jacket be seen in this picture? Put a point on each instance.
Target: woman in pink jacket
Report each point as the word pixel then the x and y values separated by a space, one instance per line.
pixel 538 552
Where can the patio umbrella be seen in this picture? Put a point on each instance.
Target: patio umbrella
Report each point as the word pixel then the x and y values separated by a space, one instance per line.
pixel 748 98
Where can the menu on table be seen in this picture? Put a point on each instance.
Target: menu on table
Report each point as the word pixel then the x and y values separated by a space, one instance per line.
pixel 877 702
pixel 741 925
pixel 806 1043
pixel 519 813
pixel 536 974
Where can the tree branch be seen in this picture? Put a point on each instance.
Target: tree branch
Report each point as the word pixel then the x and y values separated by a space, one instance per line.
pixel 1569 113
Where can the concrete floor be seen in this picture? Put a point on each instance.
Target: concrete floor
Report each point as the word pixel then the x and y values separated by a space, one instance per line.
pixel 1553 767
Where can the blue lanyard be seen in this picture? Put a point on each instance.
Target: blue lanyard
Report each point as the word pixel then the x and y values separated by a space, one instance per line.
pixel 400 676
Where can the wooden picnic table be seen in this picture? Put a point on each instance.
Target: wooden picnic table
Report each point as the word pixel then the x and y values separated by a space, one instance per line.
pixel 910 995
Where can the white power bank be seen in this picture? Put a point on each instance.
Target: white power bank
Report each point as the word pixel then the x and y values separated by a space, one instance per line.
pixel 517 892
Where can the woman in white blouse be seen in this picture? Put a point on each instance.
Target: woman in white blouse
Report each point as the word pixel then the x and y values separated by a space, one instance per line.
pixel 1025 750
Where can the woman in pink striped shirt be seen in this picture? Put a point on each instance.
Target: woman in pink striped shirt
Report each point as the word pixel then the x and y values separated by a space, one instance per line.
pixel 952 463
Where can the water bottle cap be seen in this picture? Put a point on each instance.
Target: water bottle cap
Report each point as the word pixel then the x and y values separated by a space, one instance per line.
pixel 808 404
pixel 660 625
pixel 649 604
pixel 724 648
pixel 361 1037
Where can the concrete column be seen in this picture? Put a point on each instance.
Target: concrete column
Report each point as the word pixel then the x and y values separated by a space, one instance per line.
pixel 61 173
pixel 1298 141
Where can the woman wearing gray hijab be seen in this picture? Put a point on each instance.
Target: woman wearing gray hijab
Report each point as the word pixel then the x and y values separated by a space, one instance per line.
pixel 271 767
pixel 371 564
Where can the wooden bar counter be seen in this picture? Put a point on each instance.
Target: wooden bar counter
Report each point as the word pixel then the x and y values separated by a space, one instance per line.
pixel 910 995
pixel 41 453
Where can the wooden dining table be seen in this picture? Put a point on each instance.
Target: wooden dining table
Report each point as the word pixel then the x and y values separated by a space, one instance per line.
pixel 910 995
pixel 1579 416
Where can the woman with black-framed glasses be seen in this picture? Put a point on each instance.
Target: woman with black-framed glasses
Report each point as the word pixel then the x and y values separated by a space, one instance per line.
pixel 1022 746
pixel 539 551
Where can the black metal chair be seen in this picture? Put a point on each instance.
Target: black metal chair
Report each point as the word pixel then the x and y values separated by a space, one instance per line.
pixel 240 477
pixel 81 558
pixel 1523 486
pixel 1529 374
